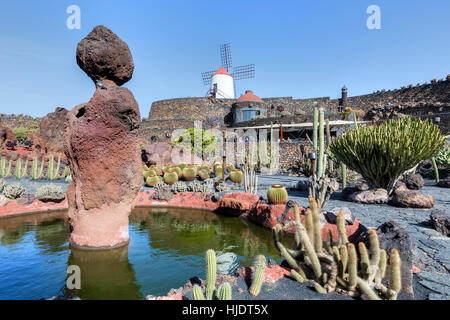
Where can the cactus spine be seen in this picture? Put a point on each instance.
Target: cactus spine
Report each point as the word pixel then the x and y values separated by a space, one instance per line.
pixel 258 278
pixel 197 293
pixel 210 273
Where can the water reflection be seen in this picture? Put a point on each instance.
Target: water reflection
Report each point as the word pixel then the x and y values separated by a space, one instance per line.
pixel 105 275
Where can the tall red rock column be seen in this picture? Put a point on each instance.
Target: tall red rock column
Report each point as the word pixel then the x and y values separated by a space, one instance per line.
pixel 101 146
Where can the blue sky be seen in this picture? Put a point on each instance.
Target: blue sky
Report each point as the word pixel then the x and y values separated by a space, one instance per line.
pixel 300 48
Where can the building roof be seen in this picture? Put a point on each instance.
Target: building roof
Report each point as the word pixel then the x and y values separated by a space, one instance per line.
pixel 249 96
pixel 222 71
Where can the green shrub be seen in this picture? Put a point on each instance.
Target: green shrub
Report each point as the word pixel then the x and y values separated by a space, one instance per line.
pixel 208 140
pixel 21 133
pixel 382 153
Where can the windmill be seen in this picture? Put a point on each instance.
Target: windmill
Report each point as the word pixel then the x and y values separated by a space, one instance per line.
pixel 221 81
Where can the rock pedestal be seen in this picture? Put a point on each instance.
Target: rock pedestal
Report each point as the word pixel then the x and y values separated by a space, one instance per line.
pixel 102 148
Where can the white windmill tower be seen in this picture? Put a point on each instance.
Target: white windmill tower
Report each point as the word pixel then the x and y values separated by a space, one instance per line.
pixel 221 82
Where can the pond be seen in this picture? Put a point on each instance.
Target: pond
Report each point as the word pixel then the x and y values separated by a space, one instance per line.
pixel 167 247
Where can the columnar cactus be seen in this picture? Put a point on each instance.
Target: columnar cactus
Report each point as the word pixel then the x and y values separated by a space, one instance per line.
pixel 321 150
pixel 335 267
pixel 5 170
pixel 210 273
pixel 197 293
pixel 258 277
pixel 53 172
pixel 21 172
pixel 224 292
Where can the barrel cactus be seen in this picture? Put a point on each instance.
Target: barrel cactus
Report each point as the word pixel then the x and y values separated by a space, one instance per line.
pixel 175 169
pixel 230 167
pixel 277 194
pixel 218 172
pixel 182 165
pixel 152 181
pixel 166 167
pixel 381 154
pixel 237 176
pixel 155 168
pixel 170 177
pixel 204 167
pixel 203 174
pixel 189 173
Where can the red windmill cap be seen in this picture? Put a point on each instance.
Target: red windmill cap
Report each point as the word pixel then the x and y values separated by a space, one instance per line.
pixel 222 71
pixel 249 96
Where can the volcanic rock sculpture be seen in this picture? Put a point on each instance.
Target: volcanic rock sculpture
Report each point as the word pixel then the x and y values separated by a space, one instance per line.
pixel 101 146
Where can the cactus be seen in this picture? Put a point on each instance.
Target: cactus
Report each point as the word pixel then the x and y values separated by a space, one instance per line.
pixel 203 174
pixel 166 167
pixel 395 279
pixel 50 192
pixel 157 170
pixel 20 171
pixel 436 169
pixel 14 191
pixel 344 175
pixel 237 176
pixel 218 172
pixel 316 225
pixel 369 150
pixel 336 267
pixel 258 278
pixel 65 173
pixel 315 127
pixel 210 273
pixel 149 173
pixel 340 224
pixel 5 170
pixel 230 167
pixel 189 173
pixel 321 150
pixel 170 177
pixel 224 292
pixel 277 194
pixel 182 165
pixel 175 169
pixel 197 293
pixel 152 181
pixel 179 187
pixel 52 172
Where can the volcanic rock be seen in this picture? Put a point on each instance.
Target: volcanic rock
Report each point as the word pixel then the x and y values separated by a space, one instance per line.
pixel 440 221
pixel 331 216
pixel 373 196
pixel 413 181
pixel 104 56
pixel 444 183
pixel 51 132
pixel 102 148
pixel 403 197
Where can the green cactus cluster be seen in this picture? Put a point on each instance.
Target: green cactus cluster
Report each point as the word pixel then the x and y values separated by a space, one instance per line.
pixel 21 171
pixel 5 168
pixel 383 153
pixel 14 191
pixel 443 158
pixel 335 266
pixel 52 171
pixel 50 192
pixel 222 293
pixel 180 186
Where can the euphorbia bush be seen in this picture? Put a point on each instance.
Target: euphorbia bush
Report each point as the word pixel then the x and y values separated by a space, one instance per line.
pixel 382 153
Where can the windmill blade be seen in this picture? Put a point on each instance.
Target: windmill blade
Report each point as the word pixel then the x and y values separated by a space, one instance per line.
pixel 225 55
pixel 206 76
pixel 244 72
